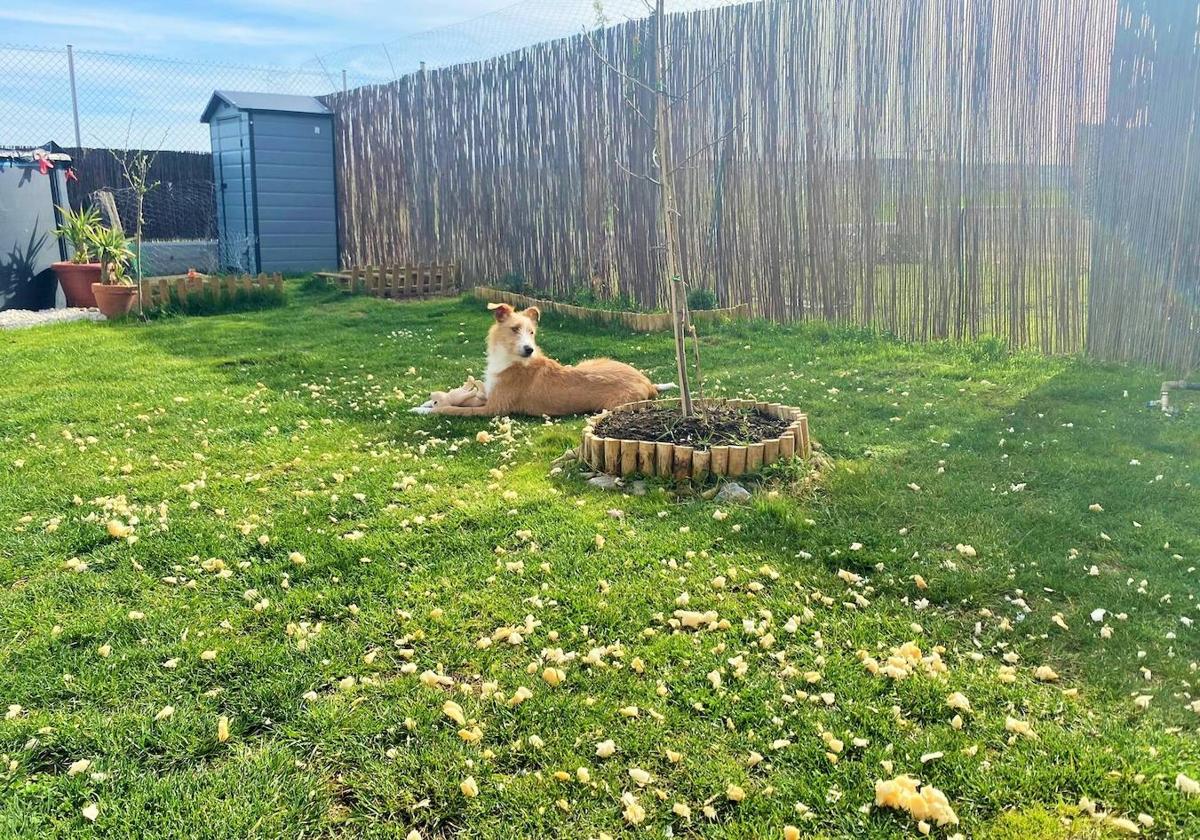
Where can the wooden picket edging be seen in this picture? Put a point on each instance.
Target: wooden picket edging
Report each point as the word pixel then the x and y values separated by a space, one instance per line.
pixel 156 291
pixel 669 460
pixel 400 281
pixel 636 321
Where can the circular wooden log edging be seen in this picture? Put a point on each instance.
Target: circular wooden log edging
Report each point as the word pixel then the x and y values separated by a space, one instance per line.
pixel 619 457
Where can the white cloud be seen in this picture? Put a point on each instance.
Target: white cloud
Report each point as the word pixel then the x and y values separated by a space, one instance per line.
pixel 180 29
pixel 386 17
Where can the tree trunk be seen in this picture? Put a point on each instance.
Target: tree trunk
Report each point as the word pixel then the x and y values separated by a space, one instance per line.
pixel 670 214
pixel 138 273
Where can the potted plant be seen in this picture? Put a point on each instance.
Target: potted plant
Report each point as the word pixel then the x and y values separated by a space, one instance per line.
pixel 115 293
pixel 77 275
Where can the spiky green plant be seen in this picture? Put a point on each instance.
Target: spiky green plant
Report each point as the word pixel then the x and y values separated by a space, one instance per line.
pixel 112 247
pixel 77 228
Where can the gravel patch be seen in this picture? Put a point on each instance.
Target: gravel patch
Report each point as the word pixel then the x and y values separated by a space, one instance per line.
pixel 16 319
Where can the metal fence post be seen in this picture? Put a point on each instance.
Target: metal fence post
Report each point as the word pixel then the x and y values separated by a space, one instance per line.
pixel 74 95
pixel 344 80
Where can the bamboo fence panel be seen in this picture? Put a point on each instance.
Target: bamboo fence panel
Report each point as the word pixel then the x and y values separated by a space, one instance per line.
pixel 932 168
pixel 1145 192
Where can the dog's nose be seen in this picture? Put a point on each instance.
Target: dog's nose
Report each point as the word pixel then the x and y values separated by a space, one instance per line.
pixel 526 350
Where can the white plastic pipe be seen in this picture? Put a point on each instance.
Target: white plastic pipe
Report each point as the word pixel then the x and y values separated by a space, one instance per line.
pixel 1177 385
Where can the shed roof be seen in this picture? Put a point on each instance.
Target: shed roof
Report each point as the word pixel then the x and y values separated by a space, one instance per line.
pixel 247 101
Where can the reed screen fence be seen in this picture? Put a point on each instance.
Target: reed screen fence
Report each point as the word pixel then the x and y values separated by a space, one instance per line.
pixel 934 168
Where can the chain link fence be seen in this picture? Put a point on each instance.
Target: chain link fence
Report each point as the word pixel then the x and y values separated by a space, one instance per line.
pixel 90 103
pixel 502 31
pixel 86 99
pixel 79 98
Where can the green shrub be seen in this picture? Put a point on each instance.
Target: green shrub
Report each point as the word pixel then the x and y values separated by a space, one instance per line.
pixel 989 348
pixel 514 282
pixel 215 300
pixel 586 297
pixel 700 298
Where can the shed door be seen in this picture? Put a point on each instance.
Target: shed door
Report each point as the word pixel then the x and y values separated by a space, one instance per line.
pixel 231 171
pixel 294 192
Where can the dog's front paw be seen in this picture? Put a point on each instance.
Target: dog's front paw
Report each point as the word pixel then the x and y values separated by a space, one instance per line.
pixel 422 409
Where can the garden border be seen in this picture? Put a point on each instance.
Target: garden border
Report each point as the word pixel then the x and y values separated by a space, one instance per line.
pixel 669 460
pixel 636 321
pixel 399 281
pixel 156 291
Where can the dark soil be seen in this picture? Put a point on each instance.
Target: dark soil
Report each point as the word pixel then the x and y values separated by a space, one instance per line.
pixel 716 426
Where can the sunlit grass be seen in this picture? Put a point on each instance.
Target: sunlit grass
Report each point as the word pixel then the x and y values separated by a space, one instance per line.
pixel 275 484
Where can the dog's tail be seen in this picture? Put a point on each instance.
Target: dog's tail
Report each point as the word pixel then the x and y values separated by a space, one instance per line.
pixel 665 386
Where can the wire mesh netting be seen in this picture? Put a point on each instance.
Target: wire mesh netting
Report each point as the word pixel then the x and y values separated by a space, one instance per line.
pixel 136 101
pixel 495 33
pixel 128 101
pixel 91 102
pixel 35 96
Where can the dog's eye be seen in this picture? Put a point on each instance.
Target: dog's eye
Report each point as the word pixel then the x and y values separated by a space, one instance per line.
pixel 516 329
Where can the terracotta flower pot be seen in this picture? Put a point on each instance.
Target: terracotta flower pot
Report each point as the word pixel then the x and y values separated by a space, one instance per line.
pixel 76 280
pixel 114 301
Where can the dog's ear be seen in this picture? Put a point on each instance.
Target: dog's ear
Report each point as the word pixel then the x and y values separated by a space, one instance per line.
pixel 500 311
pixel 532 313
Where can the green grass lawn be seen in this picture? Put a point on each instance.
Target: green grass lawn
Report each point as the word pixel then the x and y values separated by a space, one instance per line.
pixel 438 568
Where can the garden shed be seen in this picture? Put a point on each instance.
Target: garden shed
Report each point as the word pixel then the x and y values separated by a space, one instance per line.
pixel 274 181
pixel 32 187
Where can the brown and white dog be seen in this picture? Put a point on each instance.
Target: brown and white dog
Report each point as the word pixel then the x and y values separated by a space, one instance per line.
pixel 520 380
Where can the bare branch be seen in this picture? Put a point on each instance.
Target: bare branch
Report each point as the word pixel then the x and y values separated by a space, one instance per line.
pixel 641 175
pixel 627 76
pixel 388 56
pixel 682 97
pixel 638 111
pixel 332 83
pixel 695 153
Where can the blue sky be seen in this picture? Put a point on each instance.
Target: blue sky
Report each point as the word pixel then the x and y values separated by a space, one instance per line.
pixel 195 46
pixel 273 32
pixel 281 46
